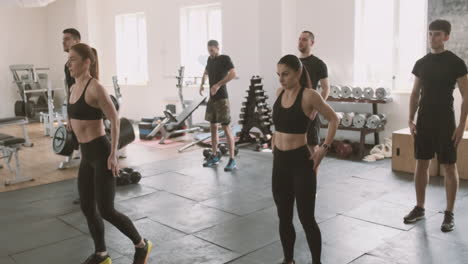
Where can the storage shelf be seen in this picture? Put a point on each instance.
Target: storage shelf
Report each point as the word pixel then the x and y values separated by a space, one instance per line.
pixel 364 101
pixel 364 129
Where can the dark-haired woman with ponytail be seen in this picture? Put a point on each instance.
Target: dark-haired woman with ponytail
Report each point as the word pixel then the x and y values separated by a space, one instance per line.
pixel 294 177
pixel 96 183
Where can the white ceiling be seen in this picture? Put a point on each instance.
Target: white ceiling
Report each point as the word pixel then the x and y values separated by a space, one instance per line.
pixel 25 3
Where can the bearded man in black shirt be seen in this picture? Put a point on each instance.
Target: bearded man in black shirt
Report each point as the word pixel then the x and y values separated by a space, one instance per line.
pixel 318 73
pixel 70 37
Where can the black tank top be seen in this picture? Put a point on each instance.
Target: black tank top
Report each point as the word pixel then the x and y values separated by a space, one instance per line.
pixel 81 110
pixel 290 120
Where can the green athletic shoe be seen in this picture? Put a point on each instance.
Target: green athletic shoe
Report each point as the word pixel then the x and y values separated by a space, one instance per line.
pixel 231 165
pixel 96 259
pixel 142 254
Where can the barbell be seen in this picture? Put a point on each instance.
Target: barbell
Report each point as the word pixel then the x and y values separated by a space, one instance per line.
pixel 64 141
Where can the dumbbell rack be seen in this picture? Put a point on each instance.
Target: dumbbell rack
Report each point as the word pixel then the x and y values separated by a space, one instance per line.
pixel 364 131
pixel 255 112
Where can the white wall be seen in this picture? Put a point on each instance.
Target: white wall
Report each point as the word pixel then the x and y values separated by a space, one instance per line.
pixel 332 23
pixel 33 36
pixel 60 15
pixel 23 42
pixel 255 34
pixel 240 41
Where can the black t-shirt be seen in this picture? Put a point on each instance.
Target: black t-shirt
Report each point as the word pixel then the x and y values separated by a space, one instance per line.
pixel 70 80
pixel 439 74
pixel 317 69
pixel 217 68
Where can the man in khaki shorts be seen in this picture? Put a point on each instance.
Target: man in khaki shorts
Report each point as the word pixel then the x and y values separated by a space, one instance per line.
pixel 220 70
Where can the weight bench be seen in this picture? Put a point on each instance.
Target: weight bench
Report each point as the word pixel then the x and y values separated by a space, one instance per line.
pixel 9 147
pixel 22 121
pixel 170 121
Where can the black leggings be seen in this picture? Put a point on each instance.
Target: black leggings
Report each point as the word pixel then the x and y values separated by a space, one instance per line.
pixel 294 179
pixel 96 186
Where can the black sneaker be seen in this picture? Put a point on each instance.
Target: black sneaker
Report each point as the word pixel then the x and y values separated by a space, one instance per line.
pixel 285 262
pixel 96 259
pixel 415 215
pixel 142 254
pixel 448 224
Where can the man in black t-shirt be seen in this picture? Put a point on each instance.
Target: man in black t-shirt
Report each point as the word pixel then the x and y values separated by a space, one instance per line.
pixel 220 70
pixel 71 37
pixel 318 72
pixel 435 131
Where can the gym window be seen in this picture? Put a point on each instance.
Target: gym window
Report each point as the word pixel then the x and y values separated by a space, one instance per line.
pixel 131 48
pixel 198 24
pixel 390 36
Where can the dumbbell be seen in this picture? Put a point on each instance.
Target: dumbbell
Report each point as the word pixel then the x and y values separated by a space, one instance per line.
pixel 258 86
pixel 123 178
pixel 344 150
pixel 259 92
pixel 265 118
pixel 135 177
pixel 207 153
pixel 244 103
pixel 261 104
pixel 241 115
pixel 265 123
pixel 241 122
pixel 223 148
pixel 261 98
pixel 128 170
pixel 263 110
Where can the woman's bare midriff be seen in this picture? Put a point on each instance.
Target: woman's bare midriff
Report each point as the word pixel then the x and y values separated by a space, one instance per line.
pixel 87 130
pixel 285 141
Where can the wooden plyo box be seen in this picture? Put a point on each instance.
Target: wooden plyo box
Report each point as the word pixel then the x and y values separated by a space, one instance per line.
pixel 403 153
pixel 462 158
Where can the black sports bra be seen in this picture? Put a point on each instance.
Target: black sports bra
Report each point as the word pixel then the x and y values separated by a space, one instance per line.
pixel 290 120
pixel 81 110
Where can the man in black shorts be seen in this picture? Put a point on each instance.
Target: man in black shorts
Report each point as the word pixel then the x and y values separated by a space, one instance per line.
pixel 435 131
pixel 318 73
pixel 220 70
pixel 70 37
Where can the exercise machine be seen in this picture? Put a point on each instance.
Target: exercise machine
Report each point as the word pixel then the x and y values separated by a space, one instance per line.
pixel 31 83
pixel 21 121
pixel 167 125
pixel 52 118
pixel 9 148
pixel 171 124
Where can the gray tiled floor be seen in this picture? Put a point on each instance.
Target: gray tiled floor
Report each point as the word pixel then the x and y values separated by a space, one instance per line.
pixel 200 215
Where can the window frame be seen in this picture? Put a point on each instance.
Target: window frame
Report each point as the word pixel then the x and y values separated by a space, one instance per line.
pixel 396 85
pixel 185 28
pixel 142 76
